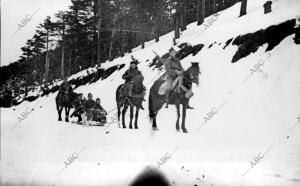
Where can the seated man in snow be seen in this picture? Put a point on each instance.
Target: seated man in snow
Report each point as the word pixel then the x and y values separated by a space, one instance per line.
pixel 99 113
pixel 78 104
pixel 88 105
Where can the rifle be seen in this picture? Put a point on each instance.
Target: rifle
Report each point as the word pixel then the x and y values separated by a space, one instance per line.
pixel 156 54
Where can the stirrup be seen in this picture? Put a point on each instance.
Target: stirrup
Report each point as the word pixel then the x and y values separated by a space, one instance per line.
pixel 167 105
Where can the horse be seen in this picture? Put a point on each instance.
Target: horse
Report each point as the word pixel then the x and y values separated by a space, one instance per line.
pixel 177 98
pixel 65 100
pixel 134 97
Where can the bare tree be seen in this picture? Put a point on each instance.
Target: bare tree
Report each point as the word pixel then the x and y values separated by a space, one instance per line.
pixel 99 31
pixel 243 8
pixel 200 12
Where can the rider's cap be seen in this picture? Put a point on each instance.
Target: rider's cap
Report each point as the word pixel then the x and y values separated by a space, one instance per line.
pixel 172 49
pixel 134 62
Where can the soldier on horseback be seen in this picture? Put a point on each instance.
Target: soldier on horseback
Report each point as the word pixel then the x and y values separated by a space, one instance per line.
pixel 174 70
pixel 129 76
pixel 131 72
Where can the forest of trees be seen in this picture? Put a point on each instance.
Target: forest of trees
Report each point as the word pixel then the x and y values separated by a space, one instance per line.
pixel 94 31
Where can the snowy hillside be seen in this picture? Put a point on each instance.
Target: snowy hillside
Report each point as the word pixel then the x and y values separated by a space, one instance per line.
pixel 251 139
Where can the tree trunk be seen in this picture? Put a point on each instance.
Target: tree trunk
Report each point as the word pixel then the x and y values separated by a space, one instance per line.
pixel 184 16
pixel 143 44
pixel 202 13
pixel 99 32
pixel 47 58
pixel 112 40
pixel 111 49
pixel 213 6
pixel 63 61
pixel 208 8
pixel 243 8
pixel 156 29
pixel 176 21
pixel 63 53
pixel 69 63
pixel 198 12
pixel 93 59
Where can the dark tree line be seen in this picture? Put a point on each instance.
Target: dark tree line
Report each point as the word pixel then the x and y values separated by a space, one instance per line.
pixel 94 31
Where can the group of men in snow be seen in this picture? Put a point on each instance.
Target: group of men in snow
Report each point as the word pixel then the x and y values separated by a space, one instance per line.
pixel 88 109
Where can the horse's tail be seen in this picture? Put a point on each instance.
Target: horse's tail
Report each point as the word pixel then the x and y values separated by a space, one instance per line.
pixel 118 95
pixel 56 101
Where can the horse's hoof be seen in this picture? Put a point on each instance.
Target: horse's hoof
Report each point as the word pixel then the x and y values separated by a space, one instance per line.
pixel 184 131
pixel 177 130
pixel 124 127
pixel 136 127
pixel 154 128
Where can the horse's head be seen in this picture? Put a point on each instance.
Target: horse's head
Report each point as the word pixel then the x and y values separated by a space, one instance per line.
pixel 192 73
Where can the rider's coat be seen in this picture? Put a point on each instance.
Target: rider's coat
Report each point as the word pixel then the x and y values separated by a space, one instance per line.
pixel 130 73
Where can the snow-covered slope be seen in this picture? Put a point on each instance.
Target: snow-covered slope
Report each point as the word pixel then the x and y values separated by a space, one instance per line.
pixel 252 139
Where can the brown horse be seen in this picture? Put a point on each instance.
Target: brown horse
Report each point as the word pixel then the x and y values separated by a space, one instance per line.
pixel 65 100
pixel 156 101
pixel 133 97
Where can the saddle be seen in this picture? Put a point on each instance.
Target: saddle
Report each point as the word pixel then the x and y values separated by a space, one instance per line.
pixel 178 87
pixel 127 90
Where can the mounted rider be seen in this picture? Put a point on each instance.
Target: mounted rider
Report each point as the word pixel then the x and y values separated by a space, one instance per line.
pixel 174 69
pixel 129 76
pixel 132 71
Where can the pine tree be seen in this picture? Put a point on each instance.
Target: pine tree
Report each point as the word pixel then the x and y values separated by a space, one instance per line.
pixel 243 7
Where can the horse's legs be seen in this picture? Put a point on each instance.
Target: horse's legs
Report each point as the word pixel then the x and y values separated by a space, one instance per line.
pixel 119 112
pixel 131 116
pixel 178 116
pixel 66 114
pixel 183 118
pixel 123 115
pixel 154 125
pixel 69 108
pixel 136 117
pixel 59 109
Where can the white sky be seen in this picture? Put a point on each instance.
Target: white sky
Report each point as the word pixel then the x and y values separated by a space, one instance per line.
pixel 13 12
